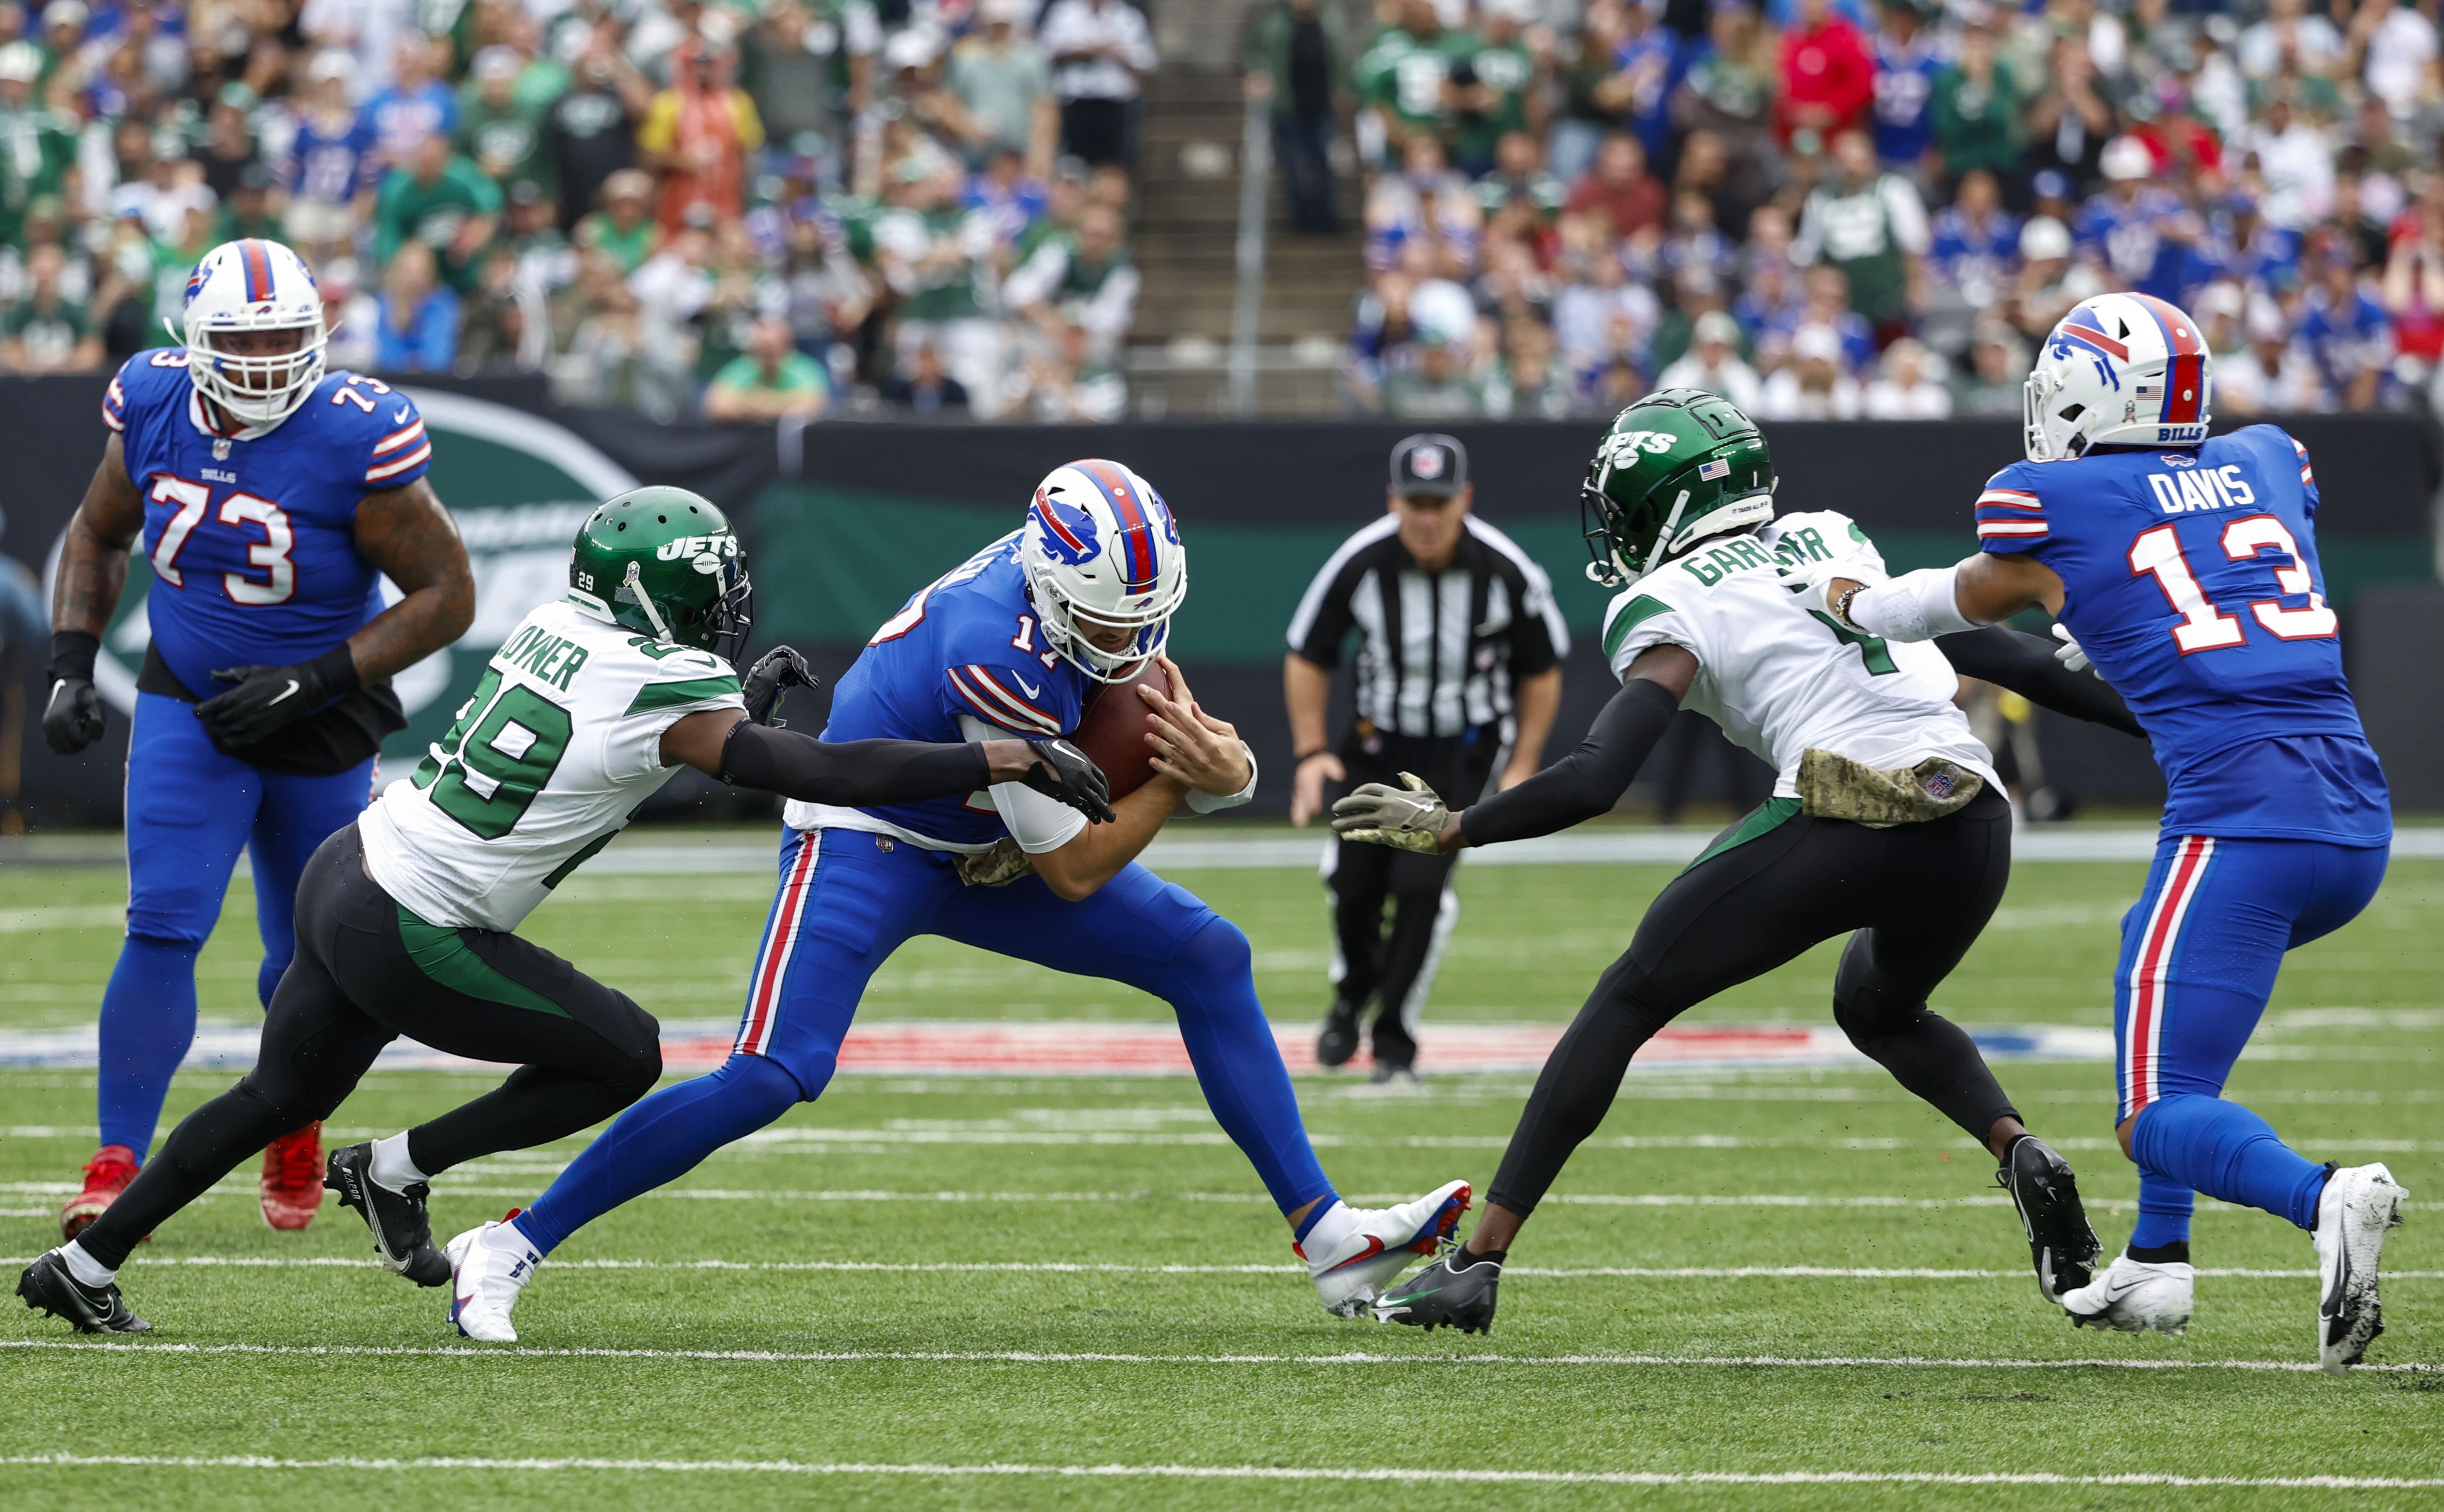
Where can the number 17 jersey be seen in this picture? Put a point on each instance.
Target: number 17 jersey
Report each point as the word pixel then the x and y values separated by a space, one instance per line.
pixel 2191 579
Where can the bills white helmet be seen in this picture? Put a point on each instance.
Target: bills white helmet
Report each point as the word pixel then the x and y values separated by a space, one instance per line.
pixel 1101 551
pixel 239 288
pixel 2119 370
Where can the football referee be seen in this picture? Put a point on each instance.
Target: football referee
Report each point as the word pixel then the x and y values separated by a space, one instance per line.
pixel 1458 673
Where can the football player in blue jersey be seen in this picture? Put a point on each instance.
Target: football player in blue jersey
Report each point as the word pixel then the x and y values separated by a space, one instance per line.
pixel 269 498
pixel 1012 641
pixel 2186 569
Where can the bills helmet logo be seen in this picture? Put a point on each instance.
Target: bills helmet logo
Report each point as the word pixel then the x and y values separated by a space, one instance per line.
pixel 1066 532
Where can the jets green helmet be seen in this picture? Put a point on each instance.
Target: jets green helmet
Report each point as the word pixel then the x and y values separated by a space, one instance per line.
pixel 665 563
pixel 1676 468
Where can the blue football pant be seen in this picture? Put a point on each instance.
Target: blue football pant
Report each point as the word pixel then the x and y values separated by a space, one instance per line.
pixel 190 811
pixel 2199 953
pixel 847 900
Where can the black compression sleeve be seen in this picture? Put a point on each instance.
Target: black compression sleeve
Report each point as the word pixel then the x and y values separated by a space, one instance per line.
pixel 851 773
pixel 2026 665
pixel 1586 783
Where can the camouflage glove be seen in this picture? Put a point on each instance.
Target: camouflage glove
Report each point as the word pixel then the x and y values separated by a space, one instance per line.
pixel 999 867
pixel 1382 815
pixel 769 680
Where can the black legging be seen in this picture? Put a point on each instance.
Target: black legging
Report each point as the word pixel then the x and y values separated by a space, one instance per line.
pixel 1916 894
pixel 587 1051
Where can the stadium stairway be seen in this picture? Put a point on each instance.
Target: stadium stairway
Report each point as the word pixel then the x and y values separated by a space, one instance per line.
pixel 1186 244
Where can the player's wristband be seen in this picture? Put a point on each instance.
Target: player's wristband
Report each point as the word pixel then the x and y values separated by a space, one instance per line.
pixel 73 654
pixel 1914 606
pixel 1305 756
pixel 337 671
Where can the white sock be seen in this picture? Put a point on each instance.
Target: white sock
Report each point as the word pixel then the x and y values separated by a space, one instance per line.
pixel 392 1170
pixel 85 1267
pixel 508 1235
pixel 1338 1222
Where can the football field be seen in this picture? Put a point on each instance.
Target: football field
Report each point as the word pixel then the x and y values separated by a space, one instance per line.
pixel 1757 1286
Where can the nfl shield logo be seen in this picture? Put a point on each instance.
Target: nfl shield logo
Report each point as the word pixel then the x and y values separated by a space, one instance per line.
pixel 1939 786
pixel 1428 463
pixel 221 451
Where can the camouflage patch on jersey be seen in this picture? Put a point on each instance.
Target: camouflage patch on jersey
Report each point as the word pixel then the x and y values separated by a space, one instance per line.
pixel 1834 786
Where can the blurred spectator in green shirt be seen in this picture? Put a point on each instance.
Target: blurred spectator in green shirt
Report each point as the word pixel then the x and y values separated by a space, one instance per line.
pixel 443 201
pixel 44 333
pixel 770 380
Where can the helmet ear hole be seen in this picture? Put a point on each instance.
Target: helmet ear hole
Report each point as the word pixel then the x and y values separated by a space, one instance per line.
pixel 2073 412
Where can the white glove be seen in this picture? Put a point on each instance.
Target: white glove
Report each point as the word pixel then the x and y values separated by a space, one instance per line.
pixel 2068 653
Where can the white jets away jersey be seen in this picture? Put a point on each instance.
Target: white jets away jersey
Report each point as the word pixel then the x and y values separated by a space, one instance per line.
pixel 1781 681
pixel 559 745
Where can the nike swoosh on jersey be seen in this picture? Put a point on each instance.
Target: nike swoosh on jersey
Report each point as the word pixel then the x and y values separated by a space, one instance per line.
pixel 401 416
pixel 1032 691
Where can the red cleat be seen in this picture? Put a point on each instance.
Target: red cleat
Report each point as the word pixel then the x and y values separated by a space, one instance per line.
pixel 105 1176
pixel 292 1178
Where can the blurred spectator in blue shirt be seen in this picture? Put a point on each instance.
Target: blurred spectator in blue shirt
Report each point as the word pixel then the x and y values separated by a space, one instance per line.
pixel 416 106
pixel 418 330
pixel 2346 332
pixel 1906 63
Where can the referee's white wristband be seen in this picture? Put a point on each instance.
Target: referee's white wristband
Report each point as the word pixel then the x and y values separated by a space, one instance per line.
pixel 1914 606
pixel 1200 801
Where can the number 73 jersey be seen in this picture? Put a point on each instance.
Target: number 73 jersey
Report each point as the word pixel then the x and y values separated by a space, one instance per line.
pixel 560 743
pixel 252 533
pixel 2191 579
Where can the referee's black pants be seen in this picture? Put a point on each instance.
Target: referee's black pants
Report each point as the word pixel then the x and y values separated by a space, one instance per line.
pixel 1393 968
pixel 1912 898
pixel 366 973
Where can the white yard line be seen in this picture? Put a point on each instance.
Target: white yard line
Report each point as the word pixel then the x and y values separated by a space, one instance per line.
pixel 1079 1268
pixel 1247 1472
pixel 851 1356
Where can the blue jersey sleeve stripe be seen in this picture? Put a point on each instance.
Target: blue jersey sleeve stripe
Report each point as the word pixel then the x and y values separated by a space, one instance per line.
pixel 2009 529
pixel 392 442
pixel 2009 499
pixel 385 472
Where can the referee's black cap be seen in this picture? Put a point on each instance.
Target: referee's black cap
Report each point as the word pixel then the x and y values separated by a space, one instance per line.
pixel 1430 463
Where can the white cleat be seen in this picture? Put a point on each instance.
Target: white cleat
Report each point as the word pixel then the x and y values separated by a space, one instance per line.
pixel 489 1266
pixel 2135 1295
pixel 1386 1242
pixel 2360 1205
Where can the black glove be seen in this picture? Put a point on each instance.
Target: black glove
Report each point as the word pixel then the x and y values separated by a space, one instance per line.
pixel 269 697
pixel 72 711
pixel 1067 775
pixel 769 680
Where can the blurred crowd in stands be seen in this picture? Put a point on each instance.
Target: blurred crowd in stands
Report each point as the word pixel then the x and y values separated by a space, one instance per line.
pixel 743 209
pixel 1830 209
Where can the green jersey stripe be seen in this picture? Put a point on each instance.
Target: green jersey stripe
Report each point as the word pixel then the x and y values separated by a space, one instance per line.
pixel 694 691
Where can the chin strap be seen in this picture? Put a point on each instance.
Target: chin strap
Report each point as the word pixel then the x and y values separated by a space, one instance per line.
pixel 631 589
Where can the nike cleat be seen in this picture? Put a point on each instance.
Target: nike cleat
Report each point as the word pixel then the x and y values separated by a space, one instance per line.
pixel 2061 1242
pixel 105 1176
pixel 292 1188
pixel 489 1266
pixel 2135 1295
pixel 1459 1289
pixel 1339 1040
pixel 48 1287
pixel 402 1234
pixel 1386 1242
pixel 2358 1206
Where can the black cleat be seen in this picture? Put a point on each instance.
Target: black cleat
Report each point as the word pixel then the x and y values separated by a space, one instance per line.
pixel 47 1287
pixel 402 1237
pixel 2060 1243
pixel 1457 1289
pixel 1339 1040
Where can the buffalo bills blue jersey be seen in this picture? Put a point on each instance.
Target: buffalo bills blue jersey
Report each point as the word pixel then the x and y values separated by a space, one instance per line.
pixel 250 532
pixel 2191 579
pixel 967 644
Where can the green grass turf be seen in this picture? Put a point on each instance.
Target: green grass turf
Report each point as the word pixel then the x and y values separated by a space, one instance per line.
pixel 2346 1066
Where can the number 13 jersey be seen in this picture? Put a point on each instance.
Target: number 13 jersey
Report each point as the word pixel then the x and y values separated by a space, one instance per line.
pixel 559 744
pixel 2191 579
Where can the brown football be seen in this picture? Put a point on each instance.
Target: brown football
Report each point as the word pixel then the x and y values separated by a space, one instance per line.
pixel 1113 730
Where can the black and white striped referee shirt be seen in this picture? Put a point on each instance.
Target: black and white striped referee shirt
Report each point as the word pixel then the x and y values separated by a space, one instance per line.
pixel 1439 652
